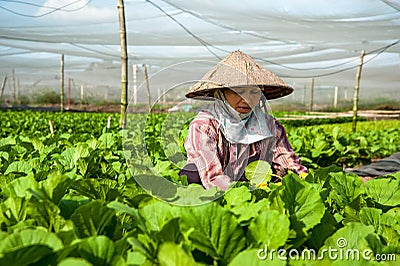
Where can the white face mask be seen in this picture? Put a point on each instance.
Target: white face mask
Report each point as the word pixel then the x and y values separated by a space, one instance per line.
pixel 240 115
pixel 221 96
pixel 240 128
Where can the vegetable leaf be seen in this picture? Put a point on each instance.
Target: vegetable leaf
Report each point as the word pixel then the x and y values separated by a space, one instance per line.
pixel 94 219
pixel 258 172
pixel 384 191
pixel 270 228
pixel 216 231
pixel 171 254
pixel 302 201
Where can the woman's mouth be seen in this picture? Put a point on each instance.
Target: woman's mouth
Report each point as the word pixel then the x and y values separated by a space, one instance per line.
pixel 243 109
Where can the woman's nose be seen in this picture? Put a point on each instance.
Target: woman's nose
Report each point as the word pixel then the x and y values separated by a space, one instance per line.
pixel 247 97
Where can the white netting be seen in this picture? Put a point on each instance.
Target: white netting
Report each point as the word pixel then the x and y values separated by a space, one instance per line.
pixel 298 40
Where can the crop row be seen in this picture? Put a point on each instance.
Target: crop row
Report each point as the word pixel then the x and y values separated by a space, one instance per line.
pixel 82 196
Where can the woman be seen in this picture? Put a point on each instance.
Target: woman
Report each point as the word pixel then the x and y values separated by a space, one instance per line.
pixel 236 128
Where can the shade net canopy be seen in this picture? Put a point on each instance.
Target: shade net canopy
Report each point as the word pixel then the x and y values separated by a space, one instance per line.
pixel 297 40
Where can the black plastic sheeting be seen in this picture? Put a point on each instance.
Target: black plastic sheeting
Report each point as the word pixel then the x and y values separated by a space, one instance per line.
pixel 381 167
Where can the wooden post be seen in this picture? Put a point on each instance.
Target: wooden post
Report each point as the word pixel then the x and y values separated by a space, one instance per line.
pixel 124 63
pixel 17 91
pixel 81 95
pixel 62 84
pixel 13 85
pixel 51 127
pixel 335 97
pixel 3 85
pixel 356 89
pixel 164 100
pixel 147 86
pixel 109 121
pixel 69 93
pixel 135 70
pixel 312 95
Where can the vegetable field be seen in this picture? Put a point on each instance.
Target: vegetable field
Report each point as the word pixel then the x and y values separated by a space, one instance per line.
pixel 85 195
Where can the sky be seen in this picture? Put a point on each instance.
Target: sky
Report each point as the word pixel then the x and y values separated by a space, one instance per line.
pixel 180 40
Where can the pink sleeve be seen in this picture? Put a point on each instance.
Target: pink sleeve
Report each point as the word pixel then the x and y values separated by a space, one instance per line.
pixel 202 149
pixel 284 157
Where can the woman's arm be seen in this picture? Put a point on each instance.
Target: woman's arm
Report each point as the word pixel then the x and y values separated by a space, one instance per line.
pixel 202 149
pixel 284 157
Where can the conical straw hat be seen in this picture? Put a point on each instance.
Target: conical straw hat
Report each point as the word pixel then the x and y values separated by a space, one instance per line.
pixel 239 70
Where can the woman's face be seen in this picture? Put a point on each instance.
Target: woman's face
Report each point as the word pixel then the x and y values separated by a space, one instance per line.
pixel 243 99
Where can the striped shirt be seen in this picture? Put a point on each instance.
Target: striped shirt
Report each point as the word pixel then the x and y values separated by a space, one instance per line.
pixel 219 162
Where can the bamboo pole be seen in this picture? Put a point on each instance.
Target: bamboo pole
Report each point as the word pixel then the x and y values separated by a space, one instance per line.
pixel 356 90
pixel 3 85
pixel 69 94
pixel 124 63
pixel 135 70
pixel 62 84
pixel 17 91
pixel 146 76
pixel 312 95
pixel 335 99
pixel 13 85
pixel 109 121
pixel 164 100
pixel 81 95
pixel 51 127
